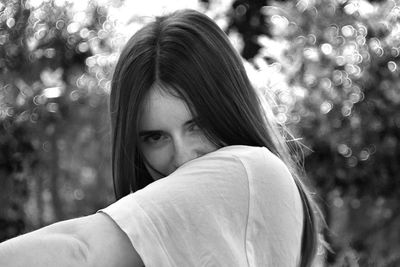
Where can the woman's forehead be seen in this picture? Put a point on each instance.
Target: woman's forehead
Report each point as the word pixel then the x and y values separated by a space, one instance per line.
pixel 161 109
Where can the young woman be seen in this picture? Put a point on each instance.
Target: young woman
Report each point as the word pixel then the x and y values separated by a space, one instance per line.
pixel 201 174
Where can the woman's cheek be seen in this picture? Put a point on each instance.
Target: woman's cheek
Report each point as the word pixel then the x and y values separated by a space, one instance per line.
pixel 158 159
pixel 206 146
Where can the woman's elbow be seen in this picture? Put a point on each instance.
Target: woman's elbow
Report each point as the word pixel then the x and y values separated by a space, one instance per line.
pixel 80 253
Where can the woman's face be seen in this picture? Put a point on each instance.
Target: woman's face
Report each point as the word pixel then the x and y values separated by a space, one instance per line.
pixel 168 134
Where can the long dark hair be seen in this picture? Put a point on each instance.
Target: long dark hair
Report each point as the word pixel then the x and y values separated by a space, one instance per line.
pixel 188 52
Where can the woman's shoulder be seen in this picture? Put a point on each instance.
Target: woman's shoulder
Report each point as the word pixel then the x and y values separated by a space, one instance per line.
pixel 253 158
pixel 233 167
pixel 275 212
pixel 265 171
pixel 243 152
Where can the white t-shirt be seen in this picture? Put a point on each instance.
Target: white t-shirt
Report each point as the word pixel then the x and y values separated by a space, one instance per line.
pixel 237 206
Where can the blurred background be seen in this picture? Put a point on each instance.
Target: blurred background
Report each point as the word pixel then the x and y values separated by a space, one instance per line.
pixel 332 67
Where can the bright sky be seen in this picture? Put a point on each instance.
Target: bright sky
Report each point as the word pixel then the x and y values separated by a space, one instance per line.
pixel 146 9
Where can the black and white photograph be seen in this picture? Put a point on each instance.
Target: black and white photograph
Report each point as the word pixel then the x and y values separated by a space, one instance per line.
pixel 228 133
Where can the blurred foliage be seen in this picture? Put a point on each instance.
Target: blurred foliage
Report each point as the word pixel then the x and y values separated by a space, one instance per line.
pixel 333 67
pixel 340 91
pixel 53 114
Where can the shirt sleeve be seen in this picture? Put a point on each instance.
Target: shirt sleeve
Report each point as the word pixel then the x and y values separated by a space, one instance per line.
pixel 237 206
pixel 197 216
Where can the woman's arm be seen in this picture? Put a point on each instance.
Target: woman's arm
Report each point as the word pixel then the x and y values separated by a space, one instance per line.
pixel 94 240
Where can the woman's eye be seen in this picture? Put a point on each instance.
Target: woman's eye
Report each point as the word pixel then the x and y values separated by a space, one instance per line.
pixel 194 127
pixel 154 138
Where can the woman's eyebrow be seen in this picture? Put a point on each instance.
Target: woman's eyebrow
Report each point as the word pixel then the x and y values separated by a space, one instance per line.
pixel 191 121
pixel 150 132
